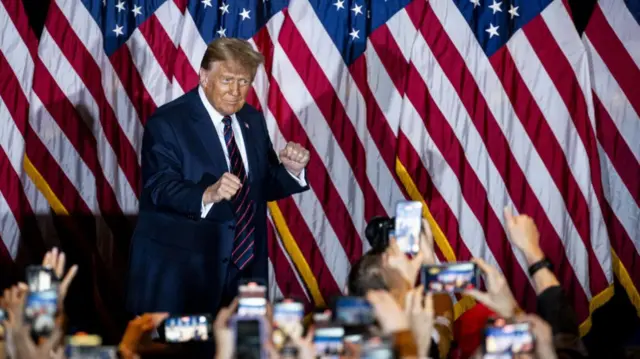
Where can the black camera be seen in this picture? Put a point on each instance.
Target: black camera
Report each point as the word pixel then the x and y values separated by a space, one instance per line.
pixel 377 232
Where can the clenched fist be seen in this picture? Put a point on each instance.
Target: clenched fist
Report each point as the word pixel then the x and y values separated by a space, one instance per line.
pixel 294 158
pixel 226 187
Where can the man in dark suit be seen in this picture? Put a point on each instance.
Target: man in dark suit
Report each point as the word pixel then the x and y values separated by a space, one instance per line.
pixel 208 170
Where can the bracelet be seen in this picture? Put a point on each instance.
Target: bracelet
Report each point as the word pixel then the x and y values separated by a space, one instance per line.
pixel 543 263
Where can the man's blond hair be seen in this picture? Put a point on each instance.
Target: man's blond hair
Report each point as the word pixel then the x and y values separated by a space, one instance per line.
pixel 232 49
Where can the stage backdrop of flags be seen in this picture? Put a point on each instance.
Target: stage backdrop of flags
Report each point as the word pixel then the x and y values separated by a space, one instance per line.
pixel 466 105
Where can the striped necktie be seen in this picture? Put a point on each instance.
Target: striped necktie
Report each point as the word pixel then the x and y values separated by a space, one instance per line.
pixel 241 203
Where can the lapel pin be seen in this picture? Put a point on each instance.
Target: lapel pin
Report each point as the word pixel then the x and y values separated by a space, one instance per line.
pixel 246 125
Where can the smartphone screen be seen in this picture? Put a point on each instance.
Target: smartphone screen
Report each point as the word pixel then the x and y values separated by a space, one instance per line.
pixel 252 299
pixel 450 277
pixel 189 328
pixel 248 338
pixel 328 341
pixel 408 225
pixel 40 279
pixel 3 317
pixel 377 348
pixel 504 338
pixel 91 352
pixel 40 311
pixel 287 322
pixel 353 312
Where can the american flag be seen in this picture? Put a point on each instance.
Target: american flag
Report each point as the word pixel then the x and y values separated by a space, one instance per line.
pixel 466 105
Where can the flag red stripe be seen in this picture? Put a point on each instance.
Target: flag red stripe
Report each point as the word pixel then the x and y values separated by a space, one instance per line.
pixel 617 149
pixel 89 71
pixel 20 20
pixel 616 57
pixel 379 129
pixel 390 54
pixel 438 206
pixel 13 193
pixel 53 174
pixel 309 248
pixel 131 80
pixel 621 243
pixel 472 189
pixel 75 129
pixel 496 144
pixel 556 163
pixel 14 98
pixel 320 181
pixel 160 45
pixel 183 71
pixel 282 269
pixel 332 109
pixel 557 66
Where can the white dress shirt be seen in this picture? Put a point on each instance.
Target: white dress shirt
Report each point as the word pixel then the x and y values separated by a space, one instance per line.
pixel 217 118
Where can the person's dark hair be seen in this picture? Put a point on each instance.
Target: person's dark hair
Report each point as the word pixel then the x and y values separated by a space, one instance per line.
pixel 377 232
pixel 366 274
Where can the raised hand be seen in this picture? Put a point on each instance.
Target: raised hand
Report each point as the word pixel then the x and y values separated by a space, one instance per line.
pixel 498 296
pixel 294 158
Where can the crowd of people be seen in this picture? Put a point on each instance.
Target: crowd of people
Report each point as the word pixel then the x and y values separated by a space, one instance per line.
pixel 407 321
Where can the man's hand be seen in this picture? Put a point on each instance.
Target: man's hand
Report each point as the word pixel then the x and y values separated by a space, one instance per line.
pixel 294 158
pixel 498 296
pixel 524 234
pixel 226 187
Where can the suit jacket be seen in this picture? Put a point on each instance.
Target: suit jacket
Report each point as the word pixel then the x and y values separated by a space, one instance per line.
pixel 178 261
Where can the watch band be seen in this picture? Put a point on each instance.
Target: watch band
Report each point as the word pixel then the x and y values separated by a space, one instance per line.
pixel 543 263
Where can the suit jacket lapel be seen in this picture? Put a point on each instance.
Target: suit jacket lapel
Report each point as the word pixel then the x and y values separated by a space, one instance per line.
pixel 206 132
pixel 244 120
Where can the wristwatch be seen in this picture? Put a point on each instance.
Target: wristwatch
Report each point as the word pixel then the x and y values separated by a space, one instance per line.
pixel 543 263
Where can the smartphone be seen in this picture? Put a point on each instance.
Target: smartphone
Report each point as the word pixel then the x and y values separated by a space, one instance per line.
pixel 252 298
pixel 91 352
pixel 287 323
pixel 329 341
pixel 503 338
pixel 322 317
pixel 450 277
pixel 186 328
pixel 353 312
pixel 40 279
pixel 249 333
pixel 40 311
pixel 377 347
pixel 408 225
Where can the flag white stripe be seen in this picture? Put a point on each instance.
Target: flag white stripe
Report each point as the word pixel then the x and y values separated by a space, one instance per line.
pixel 624 25
pixel 155 80
pixel 87 30
pixel 403 31
pixel 63 152
pixel 451 106
pixel 309 115
pixel 192 42
pixel 76 92
pixel 329 59
pixel 622 203
pixel 15 51
pixel 171 19
pixel 9 229
pixel 614 100
pixel 485 77
pixel 551 105
pixel 446 182
pixel 555 16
